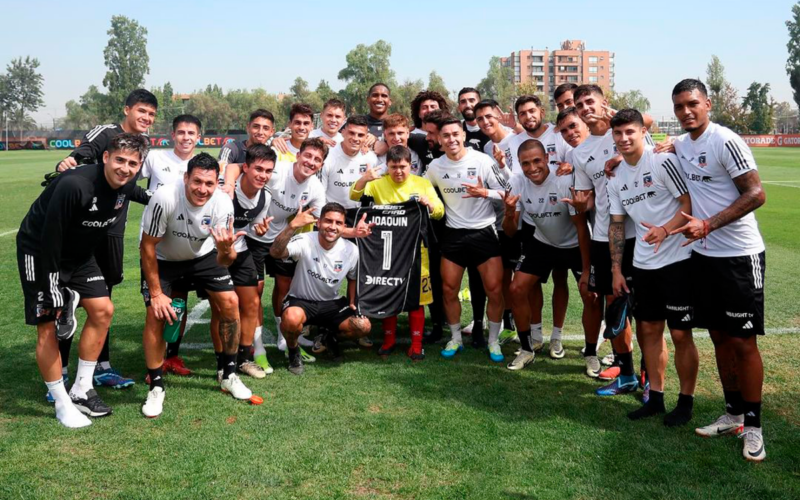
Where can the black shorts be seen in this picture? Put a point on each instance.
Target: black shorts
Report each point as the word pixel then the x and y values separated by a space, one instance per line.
pixel 729 293
pixel 202 273
pixel 664 294
pixel 243 270
pixel 600 272
pixel 265 264
pixel 85 278
pixel 109 255
pixel 540 259
pixel 328 313
pixel 470 247
pixel 510 249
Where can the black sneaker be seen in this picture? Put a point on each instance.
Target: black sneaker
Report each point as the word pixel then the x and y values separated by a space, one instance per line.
pixel 91 405
pixel 296 362
pixel 66 322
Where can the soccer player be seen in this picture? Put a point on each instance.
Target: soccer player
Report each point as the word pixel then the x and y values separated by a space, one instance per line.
pixel 345 163
pixel 398 186
pixel 572 129
pixel 476 138
pixel 395 133
pixel 423 103
pixel 260 128
pixel 466 180
pixel 332 117
pixel 165 166
pixel 379 100
pixel 727 259
pixel 140 113
pixel 589 160
pixel 562 95
pixel 323 258
pixel 58 270
pixel 650 189
pixel 553 233
pixel 188 243
pixel 290 184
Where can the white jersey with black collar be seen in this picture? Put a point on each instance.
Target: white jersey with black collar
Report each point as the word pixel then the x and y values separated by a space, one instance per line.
pixel 340 171
pixel 319 273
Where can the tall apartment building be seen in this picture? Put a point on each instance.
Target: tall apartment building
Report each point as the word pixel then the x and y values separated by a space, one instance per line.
pixel 571 63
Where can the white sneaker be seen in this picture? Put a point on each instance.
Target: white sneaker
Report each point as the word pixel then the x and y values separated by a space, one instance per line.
pixel 607 360
pixel 234 386
pixel 592 366
pixel 753 444
pixel 537 345
pixel 468 329
pixel 251 369
pixel 726 424
pixel 523 359
pixel 219 376
pixel 556 349
pixel 154 404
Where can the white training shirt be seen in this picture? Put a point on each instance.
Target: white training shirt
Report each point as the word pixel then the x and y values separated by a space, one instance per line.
pixel 449 176
pixel 185 228
pixel 648 192
pixel 555 146
pixel 162 167
pixel 416 165
pixel 341 171
pixel 287 195
pixel 320 272
pixel 245 205
pixel 317 132
pixel 710 164
pixel 589 163
pixel 508 146
pixel 541 206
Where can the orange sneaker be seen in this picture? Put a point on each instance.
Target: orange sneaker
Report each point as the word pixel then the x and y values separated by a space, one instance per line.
pixel 175 365
pixel 609 373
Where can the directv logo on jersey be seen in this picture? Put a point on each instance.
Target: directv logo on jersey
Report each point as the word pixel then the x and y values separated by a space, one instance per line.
pixel 120 201
pixel 384 280
pixel 648 180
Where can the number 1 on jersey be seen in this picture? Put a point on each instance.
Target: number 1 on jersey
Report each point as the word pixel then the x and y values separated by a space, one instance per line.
pixel 386 236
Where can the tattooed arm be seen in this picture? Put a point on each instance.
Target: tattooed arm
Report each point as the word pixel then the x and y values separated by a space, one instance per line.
pixel 751 196
pixel 616 243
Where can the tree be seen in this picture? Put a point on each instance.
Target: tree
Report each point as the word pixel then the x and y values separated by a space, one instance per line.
pixel 531 88
pixel 167 108
pixel 215 113
pixel 785 118
pixel 22 86
pixel 436 83
pixel 127 61
pixel 633 99
pixel 404 94
pixel 498 83
pixel 88 112
pixel 727 111
pixel 759 108
pixel 325 92
pixel 715 76
pixel 793 46
pixel 366 65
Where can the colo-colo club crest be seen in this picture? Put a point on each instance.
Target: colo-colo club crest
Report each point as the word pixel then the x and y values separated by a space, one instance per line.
pixel 337 266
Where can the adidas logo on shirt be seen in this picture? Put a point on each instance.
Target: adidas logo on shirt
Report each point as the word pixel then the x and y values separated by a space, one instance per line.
pixel 688 317
pixel 748 326
pixel 180 217
pixel 94 206
pixel 591 158
pixel 624 187
pixel 446 176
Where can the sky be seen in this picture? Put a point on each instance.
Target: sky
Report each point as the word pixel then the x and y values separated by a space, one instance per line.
pixel 267 45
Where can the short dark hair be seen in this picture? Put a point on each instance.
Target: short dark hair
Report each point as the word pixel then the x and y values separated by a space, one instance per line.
pixel 531 144
pixel 436 117
pixel 379 84
pixel 261 113
pixel 130 142
pixel 316 143
pixel 626 116
pixel 300 109
pixel 357 120
pixel 563 89
pixel 203 161
pixel 586 89
pixel 448 120
pixel 525 99
pixel 398 153
pixel 562 115
pixel 688 85
pixel 486 103
pixel 334 103
pixel 333 207
pixel 426 95
pixel 141 96
pixel 258 152
pixel 186 119
pixel 469 90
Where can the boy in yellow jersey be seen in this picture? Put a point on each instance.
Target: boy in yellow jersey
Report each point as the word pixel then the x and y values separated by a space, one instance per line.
pixel 398 186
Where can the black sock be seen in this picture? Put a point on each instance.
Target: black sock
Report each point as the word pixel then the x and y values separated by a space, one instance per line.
pixel 508 321
pixel 685 401
pixel 654 406
pixel 525 340
pixel 64 347
pixel 752 414
pixel 174 347
pixel 156 377
pixel 734 404
pixel 625 363
pixel 293 352
pixel 229 365
pixel 220 360
pixel 104 357
pixel 682 413
pixel 590 350
pixel 245 354
pixel 477 328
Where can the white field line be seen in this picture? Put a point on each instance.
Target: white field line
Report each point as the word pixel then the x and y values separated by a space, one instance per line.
pixel 790 184
pixel 7 233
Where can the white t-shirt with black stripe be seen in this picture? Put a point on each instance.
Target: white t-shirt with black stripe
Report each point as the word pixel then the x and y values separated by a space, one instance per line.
pixel 319 273
pixel 710 164
pixel 648 192
pixel 554 145
pixel 450 176
pixel 286 197
pixel 340 171
pixel 541 207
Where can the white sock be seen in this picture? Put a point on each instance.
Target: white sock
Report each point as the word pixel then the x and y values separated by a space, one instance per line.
pixel 281 340
pixel 556 335
pixel 105 365
pixel 258 343
pixel 455 331
pixel 83 379
pixel 66 413
pixel 536 332
pixel 494 331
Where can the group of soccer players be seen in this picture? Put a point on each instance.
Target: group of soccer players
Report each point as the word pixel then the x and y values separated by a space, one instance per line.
pixel 664 234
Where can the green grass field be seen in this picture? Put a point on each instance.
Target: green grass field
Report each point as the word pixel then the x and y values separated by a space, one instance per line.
pixel 368 428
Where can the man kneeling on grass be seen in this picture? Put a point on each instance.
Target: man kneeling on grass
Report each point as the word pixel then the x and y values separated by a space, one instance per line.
pixel 323 259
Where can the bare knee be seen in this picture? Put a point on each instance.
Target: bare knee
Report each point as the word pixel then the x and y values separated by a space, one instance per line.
pixel 228 305
pixel 292 319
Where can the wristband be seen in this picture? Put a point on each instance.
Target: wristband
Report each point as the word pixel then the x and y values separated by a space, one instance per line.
pixel 665 230
pixel 706 229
